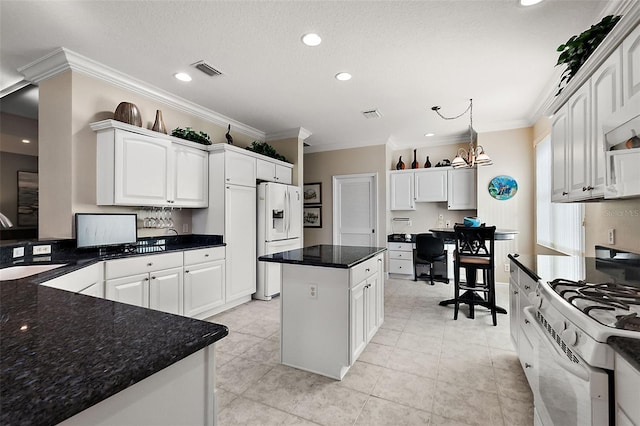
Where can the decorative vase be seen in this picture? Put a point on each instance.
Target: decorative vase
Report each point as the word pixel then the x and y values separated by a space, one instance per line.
pixel 427 164
pixel 400 165
pixel 128 113
pixel 415 164
pixel 228 136
pixel 158 125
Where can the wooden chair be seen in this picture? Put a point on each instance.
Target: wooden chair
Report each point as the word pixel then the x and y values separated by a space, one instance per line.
pixel 429 250
pixel 475 250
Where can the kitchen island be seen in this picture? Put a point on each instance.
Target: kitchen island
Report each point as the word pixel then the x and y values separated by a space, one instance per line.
pixel 76 359
pixel 332 305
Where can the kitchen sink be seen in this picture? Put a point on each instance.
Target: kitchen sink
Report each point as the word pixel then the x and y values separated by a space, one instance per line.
pixel 22 271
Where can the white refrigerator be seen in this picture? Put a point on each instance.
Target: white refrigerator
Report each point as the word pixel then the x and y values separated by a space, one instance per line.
pixel 279 229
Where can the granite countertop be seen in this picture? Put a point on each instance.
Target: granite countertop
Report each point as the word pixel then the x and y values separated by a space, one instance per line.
pixel 325 255
pixel 628 348
pixel 62 352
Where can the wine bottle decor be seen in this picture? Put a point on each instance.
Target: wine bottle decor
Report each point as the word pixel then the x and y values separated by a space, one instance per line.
pixel 427 163
pixel 400 165
pixel 414 164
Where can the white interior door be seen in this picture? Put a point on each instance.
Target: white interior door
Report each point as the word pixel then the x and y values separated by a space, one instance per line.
pixel 355 207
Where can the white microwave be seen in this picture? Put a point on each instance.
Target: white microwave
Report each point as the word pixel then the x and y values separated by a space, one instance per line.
pixel 622 141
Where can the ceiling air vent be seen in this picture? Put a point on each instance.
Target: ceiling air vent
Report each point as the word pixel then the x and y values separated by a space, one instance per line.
pixel 374 113
pixel 207 69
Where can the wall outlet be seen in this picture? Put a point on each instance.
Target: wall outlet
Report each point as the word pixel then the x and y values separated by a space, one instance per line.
pixel 185 228
pixel 313 291
pixel 507 267
pixel 46 249
pixel 18 252
pixel 611 233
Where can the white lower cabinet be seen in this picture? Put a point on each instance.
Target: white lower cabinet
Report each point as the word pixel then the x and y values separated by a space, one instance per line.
pixel 204 282
pixel 88 280
pixel 401 259
pixel 626 379
pixel 365 318
pixel 148 281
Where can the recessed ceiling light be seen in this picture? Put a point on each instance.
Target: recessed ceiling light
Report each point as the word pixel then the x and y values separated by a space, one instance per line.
pixel 343 76
pixel 182 76
pixel 429 134
pixel 529 2
pixel 311 39
pixel 26 141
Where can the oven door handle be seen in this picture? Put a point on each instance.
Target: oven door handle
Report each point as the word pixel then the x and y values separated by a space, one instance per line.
pixel 577 370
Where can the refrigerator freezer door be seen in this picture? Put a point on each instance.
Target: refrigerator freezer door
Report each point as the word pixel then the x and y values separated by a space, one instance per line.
pixel 269 274
pixel 295 212
pixel 275 212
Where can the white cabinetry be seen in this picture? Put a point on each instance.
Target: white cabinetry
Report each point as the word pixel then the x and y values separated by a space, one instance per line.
pixel 461 189
pixel 191 177
pixel 430 185
pixel 149 281
pixel 204 281
pixel 272 172
pixel 627 380
pixel 139 167
pixel 401 190
pixel 88 280
pixel 401 259
pixel 326 334
pixel 239 169
pixel 559 142
pixel 631 64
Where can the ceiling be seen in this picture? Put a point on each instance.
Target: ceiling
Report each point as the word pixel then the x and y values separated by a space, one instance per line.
pixel 405 57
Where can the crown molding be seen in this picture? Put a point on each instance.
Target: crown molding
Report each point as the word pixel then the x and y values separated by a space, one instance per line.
pixel 298 132
pixel 13 88
pixel 550 103
pixel 63 59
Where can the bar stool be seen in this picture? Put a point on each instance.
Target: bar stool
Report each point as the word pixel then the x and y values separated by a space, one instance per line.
pixel 475 250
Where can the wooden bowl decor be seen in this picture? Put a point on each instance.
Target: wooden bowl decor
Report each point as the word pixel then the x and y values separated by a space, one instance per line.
pixel 128 113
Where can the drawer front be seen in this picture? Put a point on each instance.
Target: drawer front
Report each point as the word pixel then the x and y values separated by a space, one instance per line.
pixel 364 270
pixel 400 246
pixel 139 265
pixel 397 266
pixel 401 255
pixel 192 257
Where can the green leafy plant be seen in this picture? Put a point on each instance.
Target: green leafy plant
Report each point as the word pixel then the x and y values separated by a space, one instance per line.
pixel 191 135
pixel 578 48
pixel 265 149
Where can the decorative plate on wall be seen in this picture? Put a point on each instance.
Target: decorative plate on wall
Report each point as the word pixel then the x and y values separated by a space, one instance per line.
pixel 503 187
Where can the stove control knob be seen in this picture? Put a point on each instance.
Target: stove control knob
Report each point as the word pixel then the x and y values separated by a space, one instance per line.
pixel 560 326
pixel 570 337
pixel 539 301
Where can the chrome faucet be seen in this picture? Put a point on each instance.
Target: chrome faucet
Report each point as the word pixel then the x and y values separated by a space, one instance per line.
pixel 5 222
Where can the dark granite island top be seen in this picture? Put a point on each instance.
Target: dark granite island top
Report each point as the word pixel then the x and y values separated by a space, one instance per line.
pixel 63 352
pixel 325 255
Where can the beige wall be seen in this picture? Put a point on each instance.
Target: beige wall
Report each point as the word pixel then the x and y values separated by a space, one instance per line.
pixel 425 215
pixel 13 129
pixel 69 102
pixel 512 154
pixel 322 166
pixel 621 215
pixel 292 150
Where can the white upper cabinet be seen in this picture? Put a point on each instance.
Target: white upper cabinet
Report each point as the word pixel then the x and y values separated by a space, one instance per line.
pixel 283 174
pixel 631 64
pixel 430 185
pixel 401 191
pixel 461 189
pixel 559 142
pixel 139 167
pixel 272 172
pixel 191 177
pixel 239 169
pixel 580 135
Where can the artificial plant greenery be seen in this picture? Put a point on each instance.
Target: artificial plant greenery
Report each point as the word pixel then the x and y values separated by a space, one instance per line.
pixel 265 149
pixel 578 48
pixel 191 135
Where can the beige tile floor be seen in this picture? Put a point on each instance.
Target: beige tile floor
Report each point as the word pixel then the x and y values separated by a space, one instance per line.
pixel 422 367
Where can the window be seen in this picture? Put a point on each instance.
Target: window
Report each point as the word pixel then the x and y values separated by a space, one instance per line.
pixel 558 225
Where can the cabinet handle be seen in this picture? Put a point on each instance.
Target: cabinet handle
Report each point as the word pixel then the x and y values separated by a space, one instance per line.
pixel 186 272
pixel 526 287
pixel 146 279
pixel 228 179
pixel 206 255
pixel 153 278
pixel 589 188
pixel 515 291
pixel 584 188
pixel 565 193
pixel 527 365
pixel 526 321
pixel 367 270
pixel 150 264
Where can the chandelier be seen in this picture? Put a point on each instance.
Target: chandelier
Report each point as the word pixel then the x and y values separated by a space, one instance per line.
pixel 475 155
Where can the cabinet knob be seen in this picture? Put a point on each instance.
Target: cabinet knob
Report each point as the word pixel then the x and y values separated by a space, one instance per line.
pixel 515 291
pixel 584 188
pixel 526 321
pixel 589 188
pixel 527 365
pixel 367 270
pixel 228 178
pixel 186 272
pixel 526 287
pixel 146 279
pixel 206 255
pixel 565 193
pixel 150 264
pixel 153 278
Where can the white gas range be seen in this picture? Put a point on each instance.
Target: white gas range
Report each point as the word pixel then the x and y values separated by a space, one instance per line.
pixel 570 321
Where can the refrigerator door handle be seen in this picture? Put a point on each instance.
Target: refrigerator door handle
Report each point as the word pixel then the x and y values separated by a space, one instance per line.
pixel 287 209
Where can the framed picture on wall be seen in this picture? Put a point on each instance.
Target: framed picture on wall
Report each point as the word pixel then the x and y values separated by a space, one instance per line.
pixel 27 198
pixel 312 193
pixel 312 217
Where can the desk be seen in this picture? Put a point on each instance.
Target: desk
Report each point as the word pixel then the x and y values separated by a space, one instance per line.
pixel 449 234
